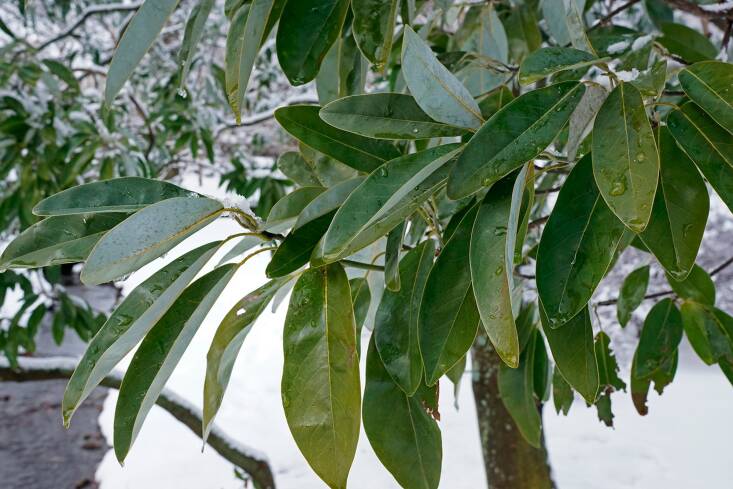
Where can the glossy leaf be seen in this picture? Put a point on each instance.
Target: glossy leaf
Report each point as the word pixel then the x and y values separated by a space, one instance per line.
pixel 374 23
pixel 686 43
pixel 438 92
pixel 307 30
pixel 632 294
pixel 710 332
pixel 607 365
pixel 660 337
pixel 145 236
pixel 516 388
pixel 392 257
pixel 514 135
pixel 708 85
pixel 680 211
pixel 661 378
pixel 387 197
pixel 227 342
pixel 385 116
pixel 548 61
pixel 358 152
pixel 159 354
pixel 574 354
pixel 327 202
pixel 698 286
pixel 396 322
pixel 404 436
pixel 577 247
pixel 707 144
pixel 130 322
pixel 58 239
pixel 285 212
pixel 449 318
pixel 625 157
pixel 492 263
pixel 126 194
pixel 297 247
pixel 320 384
pixel 136 39
pixel 562 393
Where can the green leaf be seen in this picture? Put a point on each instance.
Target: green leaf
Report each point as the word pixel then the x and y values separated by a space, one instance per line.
pixel 320 384
pixel 385 116
pixel 361 299
pixel 548 61
pixel 374 23
pixel 707 144
pixel 578 245
pixel 307 30
pixel 343 71
pixel 145 236
pixel 491 262
pixel 513 136
pixel 581 120
pixel 687 43
pixel 680 210
pixel 698 286
pixel 192 34
pixel 708 85
pixel 574 354
pixel 516 388
pixel 449 318
pixel 565 22
pixel 136 39
pixel 392 257
pixel 57 240
pixel 607 365
pixel 522 27
pixel 358 152
pixel 660 337
pixel 495 100
pixel 661 378
pixel 285 212
pixel 438 92
pixel 130 322
pixel 562 393
pixel 126 194
pixel 296 249
pixel 632 294
pixel 298 169
pixel 709 331
pixel 404 436
pixel 489 43
pixel 247 242
pixel 227 342
pixel 159 354
pixel 388 196
pixel 327 202
pixel 396 322
pixel 249 30
pixel 625 157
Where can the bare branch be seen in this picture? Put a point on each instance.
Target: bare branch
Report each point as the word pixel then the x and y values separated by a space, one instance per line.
pixel 613 13
pixel 253 463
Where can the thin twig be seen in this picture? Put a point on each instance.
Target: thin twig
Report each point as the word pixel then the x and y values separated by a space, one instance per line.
pixel 613 13
pixel 362 265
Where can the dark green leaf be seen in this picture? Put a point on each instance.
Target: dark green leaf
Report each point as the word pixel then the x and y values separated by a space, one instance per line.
pixel 449 317
pixel 687 43
pixel 374 23
pixel 514 135
pixel 495 100
pixel 385 116
pixel 709 331
pixel 708 85
pixel 698 287
pixel 307 30
pixel 126 194
pixel 565 20
pixel 607 365
pixel 577 247
pixel 298 169
pixel 438 92
pixel 680 210
pixel 320 384
pixel 402 433
pixel 659 339
pixel 358 152
pixel 392 257
pixel 58 239
pixel 361 298
pixel 285 212
pixel 489 43
pixel 625 157
pixel 296 249
pixel 130 322
pixel 159 354
pixel 548 61
pixel 328 201
pixel 396 322
pixel 146 235
pixel 562 393
pixel 574 354
pixel 192 35
pixel 632 294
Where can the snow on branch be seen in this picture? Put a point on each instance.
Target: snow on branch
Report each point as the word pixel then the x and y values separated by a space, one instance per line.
pixel 254 463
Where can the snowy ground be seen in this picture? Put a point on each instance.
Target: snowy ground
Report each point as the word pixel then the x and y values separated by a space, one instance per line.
pixel 682 444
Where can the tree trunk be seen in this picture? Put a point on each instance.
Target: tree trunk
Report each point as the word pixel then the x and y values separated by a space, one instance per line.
pixel 510 462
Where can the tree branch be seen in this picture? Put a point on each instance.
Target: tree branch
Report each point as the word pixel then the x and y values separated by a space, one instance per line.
pixel 255 119
pixel 613 13
pixel 717 18
pixel 93 10
pixel 254 464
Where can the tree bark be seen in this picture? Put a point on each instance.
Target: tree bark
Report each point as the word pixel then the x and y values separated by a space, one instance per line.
pixel 510 462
